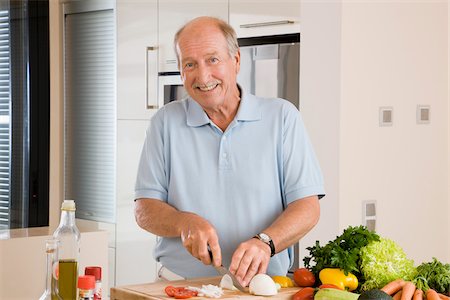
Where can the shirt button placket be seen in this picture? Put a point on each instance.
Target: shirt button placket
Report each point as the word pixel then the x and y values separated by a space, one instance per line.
pixel 223 153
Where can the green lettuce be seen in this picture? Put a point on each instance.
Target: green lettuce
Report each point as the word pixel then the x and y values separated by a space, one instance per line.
pixel 384 261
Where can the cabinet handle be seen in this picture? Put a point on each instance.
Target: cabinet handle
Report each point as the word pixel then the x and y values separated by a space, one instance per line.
pixel 151 78
pixel 275 23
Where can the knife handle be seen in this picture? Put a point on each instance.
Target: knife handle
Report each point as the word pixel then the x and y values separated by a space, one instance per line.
pixel 210 254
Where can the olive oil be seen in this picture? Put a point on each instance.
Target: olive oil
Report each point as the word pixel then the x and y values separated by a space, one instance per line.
pixel 69 237
pixel 67 283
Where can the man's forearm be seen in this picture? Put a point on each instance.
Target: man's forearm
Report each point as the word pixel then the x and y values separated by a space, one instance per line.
pixel 159 217
pixel 294 223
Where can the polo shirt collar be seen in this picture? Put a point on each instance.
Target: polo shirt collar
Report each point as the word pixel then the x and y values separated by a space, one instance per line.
pixel 249 110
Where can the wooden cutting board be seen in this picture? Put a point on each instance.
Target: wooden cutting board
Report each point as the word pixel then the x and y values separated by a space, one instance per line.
pixel 156 290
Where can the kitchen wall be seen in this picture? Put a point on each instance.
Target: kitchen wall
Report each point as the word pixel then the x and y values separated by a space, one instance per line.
pixel 448 104
pixel 357 56
pixel 56 192
pixel 320 104
pixel 395 54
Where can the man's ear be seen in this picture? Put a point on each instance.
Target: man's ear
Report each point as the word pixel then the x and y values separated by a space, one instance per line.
pixel 237 58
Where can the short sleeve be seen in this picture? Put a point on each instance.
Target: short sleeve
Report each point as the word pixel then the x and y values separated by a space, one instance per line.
pixel 151 181
pixel 302 175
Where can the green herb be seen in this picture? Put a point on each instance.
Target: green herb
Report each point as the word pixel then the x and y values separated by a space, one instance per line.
pixel 384 261
pixel 436 275
pixel 342 253
pixel 421 283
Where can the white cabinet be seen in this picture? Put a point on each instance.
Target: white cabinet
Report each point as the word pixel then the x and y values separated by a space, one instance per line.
pixel 264 17
pixel 134 246
pixel 137 38
pixel 175 13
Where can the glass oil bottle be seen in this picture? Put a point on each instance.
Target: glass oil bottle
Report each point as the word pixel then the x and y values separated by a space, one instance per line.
pixel 69 237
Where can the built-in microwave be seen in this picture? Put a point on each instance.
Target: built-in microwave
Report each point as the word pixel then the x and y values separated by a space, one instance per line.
pixel 170 88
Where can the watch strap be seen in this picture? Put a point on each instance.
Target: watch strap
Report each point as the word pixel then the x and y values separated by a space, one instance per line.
pixel 269 243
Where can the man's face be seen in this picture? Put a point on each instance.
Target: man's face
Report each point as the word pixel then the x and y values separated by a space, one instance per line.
pixel 207 70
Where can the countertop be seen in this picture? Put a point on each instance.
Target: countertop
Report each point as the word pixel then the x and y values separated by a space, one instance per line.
pixel 156 290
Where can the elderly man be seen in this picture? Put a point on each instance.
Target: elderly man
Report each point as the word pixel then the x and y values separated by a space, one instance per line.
pixel 223 169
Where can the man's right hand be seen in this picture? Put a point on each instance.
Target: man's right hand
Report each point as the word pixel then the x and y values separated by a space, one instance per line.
pixel 197 234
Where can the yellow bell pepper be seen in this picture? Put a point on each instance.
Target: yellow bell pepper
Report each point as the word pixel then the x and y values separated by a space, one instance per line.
pixel 283 281
pixel 337 277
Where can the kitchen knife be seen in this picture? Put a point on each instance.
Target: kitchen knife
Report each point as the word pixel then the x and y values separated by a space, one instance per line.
pixel 224 271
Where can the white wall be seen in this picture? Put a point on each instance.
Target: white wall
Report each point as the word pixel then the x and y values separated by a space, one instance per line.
pixel 448 104
pixel 320 104
pixel 395 54
pixel 355 57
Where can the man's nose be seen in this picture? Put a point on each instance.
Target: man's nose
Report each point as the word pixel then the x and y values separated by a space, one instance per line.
pixel 203 74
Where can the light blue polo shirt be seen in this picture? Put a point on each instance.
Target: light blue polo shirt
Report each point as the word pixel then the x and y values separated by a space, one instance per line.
pixel 239 180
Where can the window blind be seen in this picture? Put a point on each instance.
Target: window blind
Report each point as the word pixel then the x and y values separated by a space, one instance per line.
pixel 5 143
pixel 90 114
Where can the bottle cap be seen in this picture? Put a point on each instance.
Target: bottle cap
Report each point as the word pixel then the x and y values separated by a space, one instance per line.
pixel 86 282
pixel 68 205
pixel 95 271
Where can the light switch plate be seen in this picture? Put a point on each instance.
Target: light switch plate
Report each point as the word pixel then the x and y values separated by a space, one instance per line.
pixel 369 214
pixel 423 114
pixel 386 115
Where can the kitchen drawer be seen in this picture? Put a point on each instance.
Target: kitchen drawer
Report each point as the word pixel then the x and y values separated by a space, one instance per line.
pixel 260 18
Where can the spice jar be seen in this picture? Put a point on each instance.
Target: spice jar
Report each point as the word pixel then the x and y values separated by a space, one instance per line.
pixel 86 285
pixel 97 273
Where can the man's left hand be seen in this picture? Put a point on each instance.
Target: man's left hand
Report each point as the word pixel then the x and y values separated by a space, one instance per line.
pixel 250 258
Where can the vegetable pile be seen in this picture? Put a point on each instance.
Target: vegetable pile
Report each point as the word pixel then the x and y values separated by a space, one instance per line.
pixel 376 262
pixel 343 253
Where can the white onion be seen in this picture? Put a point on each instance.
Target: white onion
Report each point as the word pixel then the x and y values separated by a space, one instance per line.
pixel 262 285
pixel 227 283
pixel 210 291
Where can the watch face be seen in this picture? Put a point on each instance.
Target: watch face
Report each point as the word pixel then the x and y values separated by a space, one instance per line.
pixel 264 237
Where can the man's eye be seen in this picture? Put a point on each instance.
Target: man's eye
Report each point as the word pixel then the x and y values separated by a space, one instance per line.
pixel 188 65
pixel 214 59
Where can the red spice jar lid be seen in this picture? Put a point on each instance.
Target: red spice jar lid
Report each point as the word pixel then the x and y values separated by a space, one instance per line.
pixel 86 282
pixel 95 271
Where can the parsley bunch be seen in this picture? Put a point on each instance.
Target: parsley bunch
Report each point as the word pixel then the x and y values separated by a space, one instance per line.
pixel 343 252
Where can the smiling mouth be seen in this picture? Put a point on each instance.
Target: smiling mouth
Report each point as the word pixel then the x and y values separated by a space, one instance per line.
pixel 207 87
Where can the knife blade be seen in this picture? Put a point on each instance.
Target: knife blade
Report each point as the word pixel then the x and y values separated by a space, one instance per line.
pixel 224 271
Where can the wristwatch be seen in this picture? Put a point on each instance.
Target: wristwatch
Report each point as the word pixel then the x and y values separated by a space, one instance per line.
pixel 267 240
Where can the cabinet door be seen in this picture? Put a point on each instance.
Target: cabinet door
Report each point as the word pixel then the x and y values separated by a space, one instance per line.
pixel 264 17
pixel 137 38
pixel 134 246
pixel 175 13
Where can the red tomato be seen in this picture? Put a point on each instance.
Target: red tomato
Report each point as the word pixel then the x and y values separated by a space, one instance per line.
pixel 329 286
pixel 184 294
pixel 304 277
pixel 179 292
pixel 306 293
pixel 170 290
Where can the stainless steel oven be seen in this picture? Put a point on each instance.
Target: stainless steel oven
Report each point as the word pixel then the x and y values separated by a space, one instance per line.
pixel 170 88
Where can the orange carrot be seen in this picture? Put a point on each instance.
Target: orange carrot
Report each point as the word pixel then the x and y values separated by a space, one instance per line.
pixel 432 295
pixel 443 297
pixel 398 295
pixel 393 287
pixel 418 295
pixel 408 290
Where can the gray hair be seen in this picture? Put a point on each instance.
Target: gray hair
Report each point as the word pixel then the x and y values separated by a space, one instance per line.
pixel 227 31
